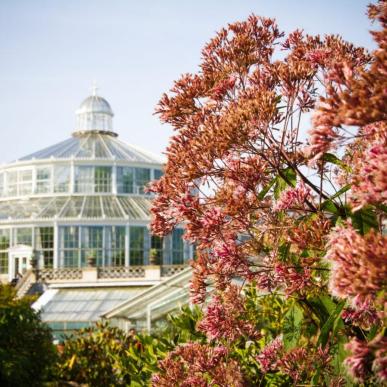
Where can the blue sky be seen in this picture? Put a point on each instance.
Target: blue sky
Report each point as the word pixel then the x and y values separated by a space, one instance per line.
pixel 51 51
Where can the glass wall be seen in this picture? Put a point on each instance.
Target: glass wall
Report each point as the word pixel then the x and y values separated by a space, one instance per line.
pixel 141 179
pixel 177 247
pixel 157 174
pixel 115 246
pixel 93 179
pixel 1 184
pixel 87 179
pixel 44 245
pixel 157 247
pixel 92 244
pixel 43 180
pixel 69 246
pixel 125 179
pixel 61 179
pixel 25 182
pixel 108 246
pixel 137 245
pixel 4 245
pixel 19 182
pixel 23 236
pixel 132 180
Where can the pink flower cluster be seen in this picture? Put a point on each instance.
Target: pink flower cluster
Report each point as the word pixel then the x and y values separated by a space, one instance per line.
pixel 285 277
pixel 366 358
pixel 322 136
pixel 226 317
pixel 294 363
pixel 359 263
pixel 369 185
pixel 270 355
pixel 294 280
pixel 292 197
pixel 195 364
pixel 361 313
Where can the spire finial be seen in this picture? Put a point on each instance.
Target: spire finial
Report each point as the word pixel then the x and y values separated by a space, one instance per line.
pixel 94 88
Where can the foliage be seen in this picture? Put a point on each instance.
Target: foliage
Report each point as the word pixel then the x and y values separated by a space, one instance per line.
pixel 103 355
pixel 291 218
pixel 26 350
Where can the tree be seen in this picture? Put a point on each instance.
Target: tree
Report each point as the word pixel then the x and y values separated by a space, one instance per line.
pixel 296 215
pixel 27 354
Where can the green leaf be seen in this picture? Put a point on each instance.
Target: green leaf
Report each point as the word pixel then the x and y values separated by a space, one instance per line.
pixel 266 189
pixel 289 179
pixel 292 327
pixel 327 327
pixel 365 219
pixel 341 191
pixel 331 158
pixel 330 206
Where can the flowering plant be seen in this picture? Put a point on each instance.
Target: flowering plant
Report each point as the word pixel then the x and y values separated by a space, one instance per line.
pixel 287 210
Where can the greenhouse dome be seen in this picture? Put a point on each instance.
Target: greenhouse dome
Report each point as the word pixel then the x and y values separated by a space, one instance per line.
pixel 81 203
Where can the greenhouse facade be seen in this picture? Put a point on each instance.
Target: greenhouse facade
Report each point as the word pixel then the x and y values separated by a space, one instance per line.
pixel 82 204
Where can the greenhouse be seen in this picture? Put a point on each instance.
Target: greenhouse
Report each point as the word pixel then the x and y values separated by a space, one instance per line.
pixel 76 214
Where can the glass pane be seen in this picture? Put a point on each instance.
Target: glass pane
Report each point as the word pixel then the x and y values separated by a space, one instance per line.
pixel 69 246
pixel 12 183
pixel 157 248
pixel 92 207
pixel 24 236
pixel 61 179
pixel 177 246
pixel 136 252
pixel 44 238
pixel 73 207
pixel 84 179
pixel 69 237
pixel 115 249
pixel 25 175
pixel 92 244
pixel 142 178
pixel 103 179
pixel 43 180
pixel 3 262
pixel 158 173
pixel 48 257
pixel 43 173
pixel 4 239
pixel 125 178
pixel 70 258
pixel 111 208
pixel 2 184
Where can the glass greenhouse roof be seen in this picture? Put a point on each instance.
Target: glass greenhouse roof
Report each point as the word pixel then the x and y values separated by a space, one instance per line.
pixel 94 145
pixel 80 207
pixel 88 304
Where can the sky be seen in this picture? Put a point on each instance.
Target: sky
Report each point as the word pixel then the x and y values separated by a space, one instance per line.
pixel 51 52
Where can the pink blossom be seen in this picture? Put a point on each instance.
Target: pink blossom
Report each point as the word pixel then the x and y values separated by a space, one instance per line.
pixel 195 364
pixel 361 313
pixel 292 197
pixel 270 354
pixel 322 137
pixel 294 363
pixel 226 318
pixel 367 357
pixel 293 280
pixel 359 363
pixel 369 185
pixel 359 263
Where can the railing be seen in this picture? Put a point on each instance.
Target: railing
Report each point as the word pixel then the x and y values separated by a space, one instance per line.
pixel 70 273
pixel 109 272
pixel 170 270
pixel 121 272
pixel 25 283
